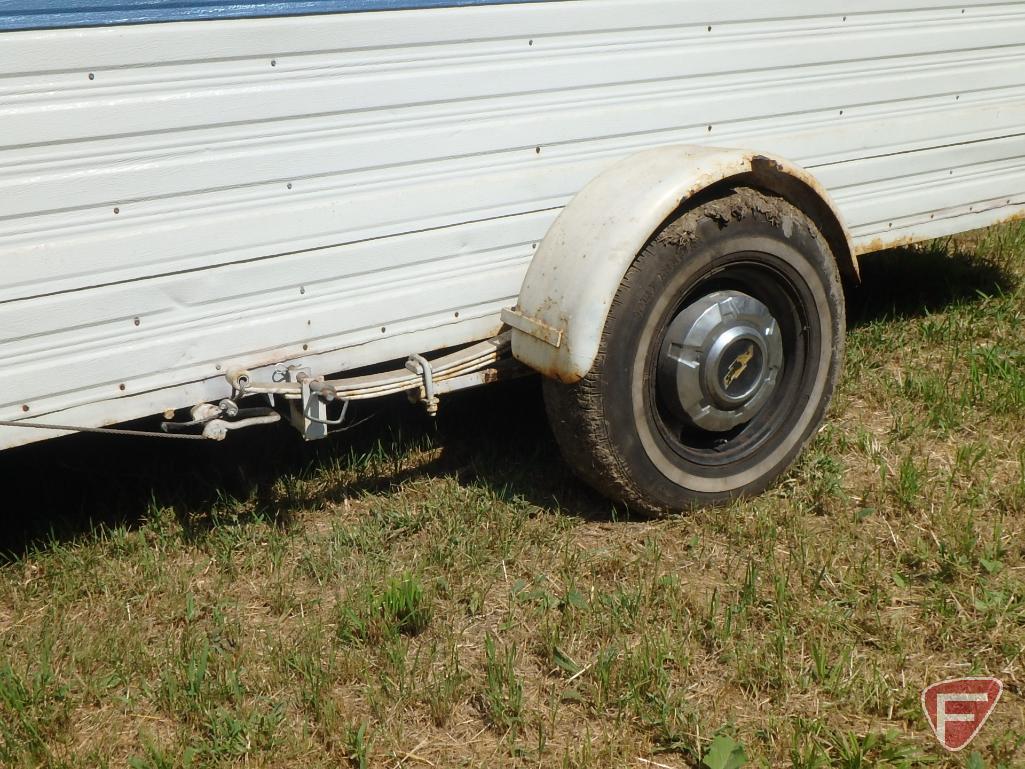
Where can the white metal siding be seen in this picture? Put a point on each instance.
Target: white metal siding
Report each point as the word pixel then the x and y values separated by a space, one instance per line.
pixel 322 188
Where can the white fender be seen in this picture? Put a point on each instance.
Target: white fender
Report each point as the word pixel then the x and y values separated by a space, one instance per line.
pixel 580 264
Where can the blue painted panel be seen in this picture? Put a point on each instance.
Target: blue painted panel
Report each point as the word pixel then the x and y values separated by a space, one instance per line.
pixel 47 14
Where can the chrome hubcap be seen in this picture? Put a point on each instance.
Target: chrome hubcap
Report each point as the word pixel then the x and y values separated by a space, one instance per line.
pixel 721 361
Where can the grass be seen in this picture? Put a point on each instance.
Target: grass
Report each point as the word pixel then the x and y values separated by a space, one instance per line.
pixel 417 594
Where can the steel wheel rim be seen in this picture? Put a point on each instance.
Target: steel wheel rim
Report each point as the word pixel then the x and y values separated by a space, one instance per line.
pixel 767 280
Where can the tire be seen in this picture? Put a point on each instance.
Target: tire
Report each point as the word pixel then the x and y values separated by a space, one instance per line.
pixel 655 425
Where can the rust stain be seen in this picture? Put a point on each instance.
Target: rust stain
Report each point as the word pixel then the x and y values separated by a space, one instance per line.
pixel 881 244
pixel 1015 217
pixel 551 370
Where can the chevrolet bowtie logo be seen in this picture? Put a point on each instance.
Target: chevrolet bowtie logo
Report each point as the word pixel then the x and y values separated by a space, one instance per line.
pixel 738 367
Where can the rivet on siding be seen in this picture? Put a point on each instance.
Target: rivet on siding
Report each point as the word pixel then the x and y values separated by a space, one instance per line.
pixel 457 314
pixel 384 329
pixel 117 210
pixel 121 387
pixel 92 76
pixel 530 42
pixel 709 28
pixel 24 407
pixel 710 129
pixel 289 185
pixel 136 321
pixel 537 150
pixel 274 62
pixel 302 289
pixel 306 347
pixel 218 367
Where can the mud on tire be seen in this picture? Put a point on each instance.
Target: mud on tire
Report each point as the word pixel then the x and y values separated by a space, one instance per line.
pixel 655 425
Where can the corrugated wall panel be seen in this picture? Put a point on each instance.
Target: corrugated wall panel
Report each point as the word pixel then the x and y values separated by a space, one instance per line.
pixel 266 190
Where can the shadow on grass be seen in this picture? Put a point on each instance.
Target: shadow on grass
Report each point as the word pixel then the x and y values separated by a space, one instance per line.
pixel 911 282
pixel 60 490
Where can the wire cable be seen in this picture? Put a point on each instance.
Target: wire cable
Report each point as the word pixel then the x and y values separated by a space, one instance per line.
pixel 103 431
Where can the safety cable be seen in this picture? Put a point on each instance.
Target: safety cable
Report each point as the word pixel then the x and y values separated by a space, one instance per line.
pixel 104 431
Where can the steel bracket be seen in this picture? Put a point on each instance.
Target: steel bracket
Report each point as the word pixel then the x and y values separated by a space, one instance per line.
pixel 419 365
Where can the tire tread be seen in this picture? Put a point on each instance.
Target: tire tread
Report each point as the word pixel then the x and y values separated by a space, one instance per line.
pixel 577 411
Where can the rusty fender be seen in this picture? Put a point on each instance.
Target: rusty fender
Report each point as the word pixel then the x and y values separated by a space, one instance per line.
pixel 574 276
